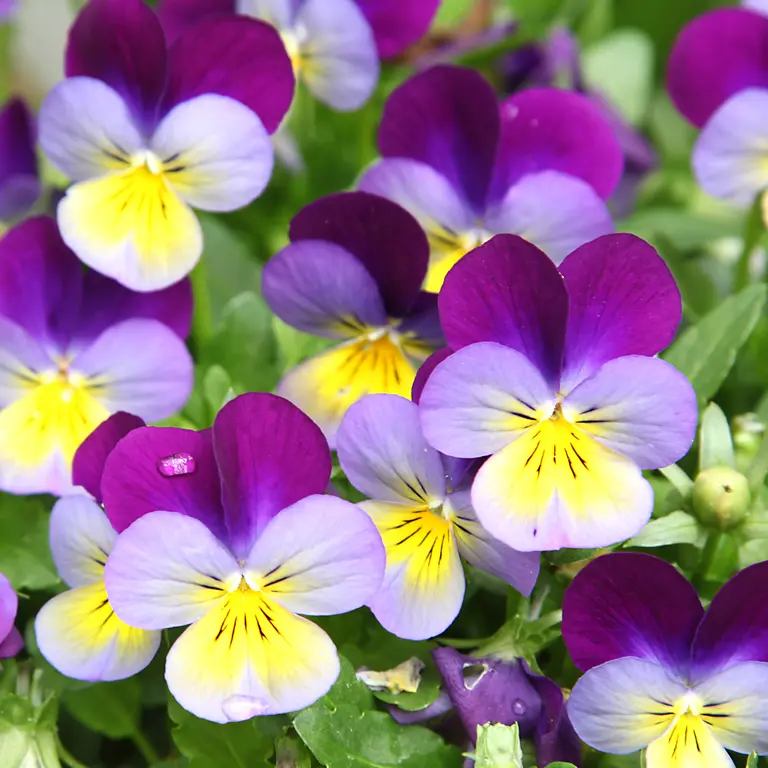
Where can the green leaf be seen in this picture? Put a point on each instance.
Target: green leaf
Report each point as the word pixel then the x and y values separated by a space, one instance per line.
pixel 675 528
pixel 216 388
pixel 715 441
pixel 291 753
pixel 25 557
pixel 753 760
pixel 429 688
pixel 707 350
pixel 113 709
pixel 233 745
pixel 498 746
pixel 342 731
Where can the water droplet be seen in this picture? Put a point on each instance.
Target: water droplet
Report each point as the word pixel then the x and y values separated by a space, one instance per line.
pixel 178 464
pixel 237 708
pixel 519 707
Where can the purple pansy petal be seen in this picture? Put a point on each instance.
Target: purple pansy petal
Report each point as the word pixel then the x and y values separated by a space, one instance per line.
pixel 19 183
pixel 730 159
pixel 700 82
pixel 9 605
pixel 320 556
pixel 90 458
pixel 640 407
pixel 509 292
pixel 20 356
pixel 426 369
pixel 439 707
pixel 336 53
pixel 398 24
pixel 177 16
pixel 555 212
pixel 270 455
pixel 478 547
pixel 79 634
pixel 423 323
pixel 761 6
pixel 623 301
pixel 480 399
pixel 615 707
pixel 384 454
pixel 281 14
pixel 12 644
pixel 81 539
pixel 735 627
pixel 86 128
pixel 168 570
pixel 629 604
pixel 121 43
pixel 385 238
pixel 446 117
pixel 322 289
pixel 251 66
pixel 223 153
pixel 133 486
pixel 547 129
pixel 140 366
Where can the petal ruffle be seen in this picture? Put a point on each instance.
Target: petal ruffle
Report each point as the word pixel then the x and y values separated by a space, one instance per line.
pixel 384 454
pixel 270 455
pixel 630 604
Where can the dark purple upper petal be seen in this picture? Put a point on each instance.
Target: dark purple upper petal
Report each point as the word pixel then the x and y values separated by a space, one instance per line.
pixel 177 16
pixel 425 371
pixel 270 455
pixel 546 129
pixel 19 182
pixel 717 55
pixel 623 301
pixel 122 43
pixel 132 484
pixel 91 456
pixel 447 117
pixel 510 292
pixel 396 24
pixel 735 626
pixel 628 604
pixel 233 56
pixel 385 237
pixel 423 321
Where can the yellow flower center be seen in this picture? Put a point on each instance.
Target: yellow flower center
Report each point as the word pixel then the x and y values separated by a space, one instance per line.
pixel 446 249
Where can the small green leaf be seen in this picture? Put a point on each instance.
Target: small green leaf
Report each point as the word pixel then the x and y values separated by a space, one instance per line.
pixel 498 746
pixel 429 688
pixel 291 753
pixel 753 760
pixel 216 387
pixel 113 709
pixel 715 442
pixel 707 350
pixel 675 528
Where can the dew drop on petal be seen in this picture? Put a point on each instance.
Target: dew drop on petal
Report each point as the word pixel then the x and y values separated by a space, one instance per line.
pixel 177 464
pixel 237 708
pixel 519 707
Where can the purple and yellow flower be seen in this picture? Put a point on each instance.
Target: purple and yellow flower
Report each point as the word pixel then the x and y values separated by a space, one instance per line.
pixel 239 544
pixel 661 673
pixel 421 507
pixel 77 631
pixel 19 181
pixel 334 45
pixel 146 131
pixel 11 641
pixel 555 380
pixel 353 272
pixel 718 79
pixel 540 164
pixel 76 347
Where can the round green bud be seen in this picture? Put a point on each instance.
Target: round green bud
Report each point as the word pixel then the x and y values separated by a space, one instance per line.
pixel 721 497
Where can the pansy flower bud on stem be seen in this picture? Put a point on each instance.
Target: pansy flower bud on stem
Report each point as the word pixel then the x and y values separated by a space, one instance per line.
pixel 721 497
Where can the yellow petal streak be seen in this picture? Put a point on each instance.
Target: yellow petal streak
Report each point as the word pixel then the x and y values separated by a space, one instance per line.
pixel 446 249
pixel 689 743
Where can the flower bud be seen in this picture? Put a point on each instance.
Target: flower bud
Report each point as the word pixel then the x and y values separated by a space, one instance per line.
pixel 721 497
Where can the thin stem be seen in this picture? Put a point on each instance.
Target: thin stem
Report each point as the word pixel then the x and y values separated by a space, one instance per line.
pixel 202 318
pixel 143 745
pixel 758 469
pixel 753 231
pixel 67 757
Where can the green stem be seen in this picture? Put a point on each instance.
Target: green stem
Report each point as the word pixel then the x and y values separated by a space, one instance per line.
pixel 753 231
pixel 202 318
pixel 143 745
pixel 67 757
pixel 758 469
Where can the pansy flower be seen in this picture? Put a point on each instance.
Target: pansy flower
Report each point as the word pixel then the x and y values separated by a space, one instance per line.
pixel 422 509
pixel 334 45
pixel 19 180
pixel 718 79
pixel 661 673
pixel 77 631
pixel 146 131
pixel 353 272
pixel 540 164
pixel 11 641
pixel 76 347
pixel 554 379
pixel 240 544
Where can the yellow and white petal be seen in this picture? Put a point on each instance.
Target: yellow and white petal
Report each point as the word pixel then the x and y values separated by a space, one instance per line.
pixel 79 634
pixel 424 581
pixel 689 743
pixel 132 227
pixel 249 656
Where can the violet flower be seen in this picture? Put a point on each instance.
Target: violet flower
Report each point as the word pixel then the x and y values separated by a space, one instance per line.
pixel 19 181
pixel 555 380
pixel 661 673
pixel 353 272
pixel 423 512
pixel 718 79
pixel 77 631
pixel 540 164
pixel 146 131
pixel 246 543
pixel 75 348
pixel 11 641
